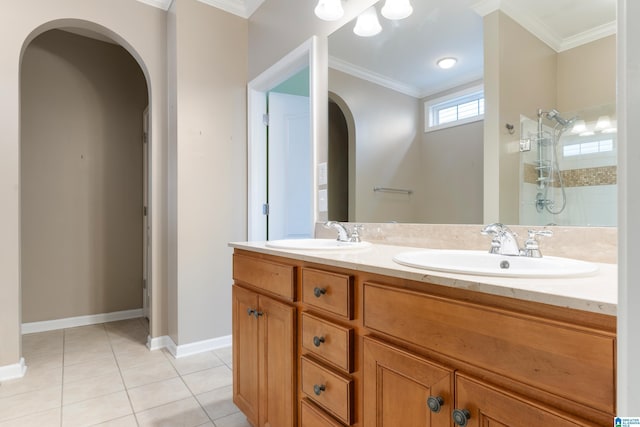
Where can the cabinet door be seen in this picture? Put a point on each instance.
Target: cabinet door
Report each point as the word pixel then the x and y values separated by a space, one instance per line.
pixel 481 405
pixel 399 389
pixel 277 364
pixel 245 353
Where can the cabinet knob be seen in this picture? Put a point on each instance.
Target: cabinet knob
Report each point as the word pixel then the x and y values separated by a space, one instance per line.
pixel 317 341
pixel 257 313
pixel 250 311
pixel 318 292
pixel 435 403
pixel 318 389
pixel 461 417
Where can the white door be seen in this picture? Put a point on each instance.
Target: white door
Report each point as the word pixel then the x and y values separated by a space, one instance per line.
pixel 290 168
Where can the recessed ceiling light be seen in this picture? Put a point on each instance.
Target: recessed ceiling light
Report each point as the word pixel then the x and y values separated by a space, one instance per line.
pixel 446 63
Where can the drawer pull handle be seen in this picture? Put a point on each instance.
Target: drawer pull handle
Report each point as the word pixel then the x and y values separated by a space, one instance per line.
pixel 461 417
pixel 318 389
pixel 435 403
pixel 318 292
pixel 317 341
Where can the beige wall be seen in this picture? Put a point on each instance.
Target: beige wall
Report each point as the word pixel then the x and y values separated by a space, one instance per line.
pixel 520 77
pixel 143 34
pixel 81 172
pixel 587 75
pixel 387 148
pixel 208 170
pixel 451 169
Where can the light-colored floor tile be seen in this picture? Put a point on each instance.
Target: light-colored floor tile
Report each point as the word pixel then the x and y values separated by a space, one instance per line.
pixel 44 360
pixel 218 403
pixel 225 354
pixel 139 357
pixel 34 379
pixel 42 342
pixel 157 394
pixel 128 421
pixel 235 420
pixel 148 373
pixel 86 344
pixel 207 424
pixel 197 362
pixel 25 404
pixel 49 418
pixel 87 354
pixel 209 379
pixel 96 410
pixel 183 413
pixel 89 388
pixel 93 368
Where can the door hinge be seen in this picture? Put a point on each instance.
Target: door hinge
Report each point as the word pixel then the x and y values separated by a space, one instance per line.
pixel 144 211
pixel 144 283
pixel 145 137
pixel 265 119
pixel 265 209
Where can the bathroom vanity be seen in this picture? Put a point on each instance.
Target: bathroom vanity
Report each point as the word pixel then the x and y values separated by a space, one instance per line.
pixel 350 338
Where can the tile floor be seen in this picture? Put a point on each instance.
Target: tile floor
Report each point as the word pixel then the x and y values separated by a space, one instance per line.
pixel 105 375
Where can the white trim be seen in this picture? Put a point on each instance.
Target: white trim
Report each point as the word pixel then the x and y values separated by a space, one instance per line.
pixel 296 60
pixel 12 372
pixel 179 351
pixel 236 7
pixel 160 4
pixel 72 322
pixel 370 76
pixel 540 29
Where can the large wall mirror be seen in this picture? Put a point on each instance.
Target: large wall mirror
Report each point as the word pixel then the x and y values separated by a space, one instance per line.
pixel 522 129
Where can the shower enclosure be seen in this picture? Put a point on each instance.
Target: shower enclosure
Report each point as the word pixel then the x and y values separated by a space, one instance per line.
pixel 567 169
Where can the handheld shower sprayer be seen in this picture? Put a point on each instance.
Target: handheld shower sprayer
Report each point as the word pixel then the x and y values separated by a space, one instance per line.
pixel 555 115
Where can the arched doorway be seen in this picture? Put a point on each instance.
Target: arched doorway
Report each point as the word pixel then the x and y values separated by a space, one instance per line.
pixel 342 161
pixel 82 180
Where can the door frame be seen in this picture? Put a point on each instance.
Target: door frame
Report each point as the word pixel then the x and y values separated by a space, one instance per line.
pixel 305 55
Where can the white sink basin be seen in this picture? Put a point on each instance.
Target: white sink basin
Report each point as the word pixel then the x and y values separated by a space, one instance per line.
pixel 486 264
pixel 316 244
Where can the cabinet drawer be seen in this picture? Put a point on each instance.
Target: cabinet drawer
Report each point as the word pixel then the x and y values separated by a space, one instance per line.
pixel 328 341
pixel 573 362
pixel 330 390
pixel 328 291
pixel 312 416
pixel 271 277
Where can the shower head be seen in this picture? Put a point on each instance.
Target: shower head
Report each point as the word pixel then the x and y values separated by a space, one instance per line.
pixel 555 115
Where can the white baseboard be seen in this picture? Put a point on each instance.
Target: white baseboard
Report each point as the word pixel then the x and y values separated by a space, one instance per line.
pixel 11 372
pixel 190 349
pixel 72 322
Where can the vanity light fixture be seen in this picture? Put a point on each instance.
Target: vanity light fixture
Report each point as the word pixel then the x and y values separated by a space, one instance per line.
pixel 367 24
pixel 397 9
pixel 329 10
pixel 446 63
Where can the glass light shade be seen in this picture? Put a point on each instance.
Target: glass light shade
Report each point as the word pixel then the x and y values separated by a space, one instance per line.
pixel 579 126
pixel 397 9
pixel 446 63
pixel 604 122
pixel 367 24
pixel 587 133
pixel 329 10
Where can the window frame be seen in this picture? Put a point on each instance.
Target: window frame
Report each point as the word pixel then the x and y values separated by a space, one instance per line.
pixel 455 98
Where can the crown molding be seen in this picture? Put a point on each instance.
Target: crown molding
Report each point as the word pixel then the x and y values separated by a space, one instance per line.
pixel 242 8
pixel 160 4
pixel 364 74
pixel 539 29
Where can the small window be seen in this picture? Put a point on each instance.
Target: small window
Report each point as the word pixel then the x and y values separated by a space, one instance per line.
pixel 591 147
pixel 455 109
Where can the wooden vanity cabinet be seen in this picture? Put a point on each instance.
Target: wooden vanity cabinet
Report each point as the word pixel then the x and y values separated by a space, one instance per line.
pixel 379 351
pixel 264 350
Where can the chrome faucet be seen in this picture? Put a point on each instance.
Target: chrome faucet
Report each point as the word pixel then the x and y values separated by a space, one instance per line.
pixel 343 232
pixel 505 242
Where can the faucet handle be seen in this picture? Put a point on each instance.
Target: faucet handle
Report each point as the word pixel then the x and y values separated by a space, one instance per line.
pixel 532 246
pixel 355 233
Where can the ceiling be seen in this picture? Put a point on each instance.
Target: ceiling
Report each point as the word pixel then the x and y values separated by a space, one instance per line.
pixel 243 8
pixel 403 56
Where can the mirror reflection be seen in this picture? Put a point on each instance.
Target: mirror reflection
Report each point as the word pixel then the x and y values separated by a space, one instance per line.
pixel 412 142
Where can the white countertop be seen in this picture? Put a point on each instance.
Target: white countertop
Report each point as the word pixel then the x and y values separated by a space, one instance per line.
pixel 597 294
